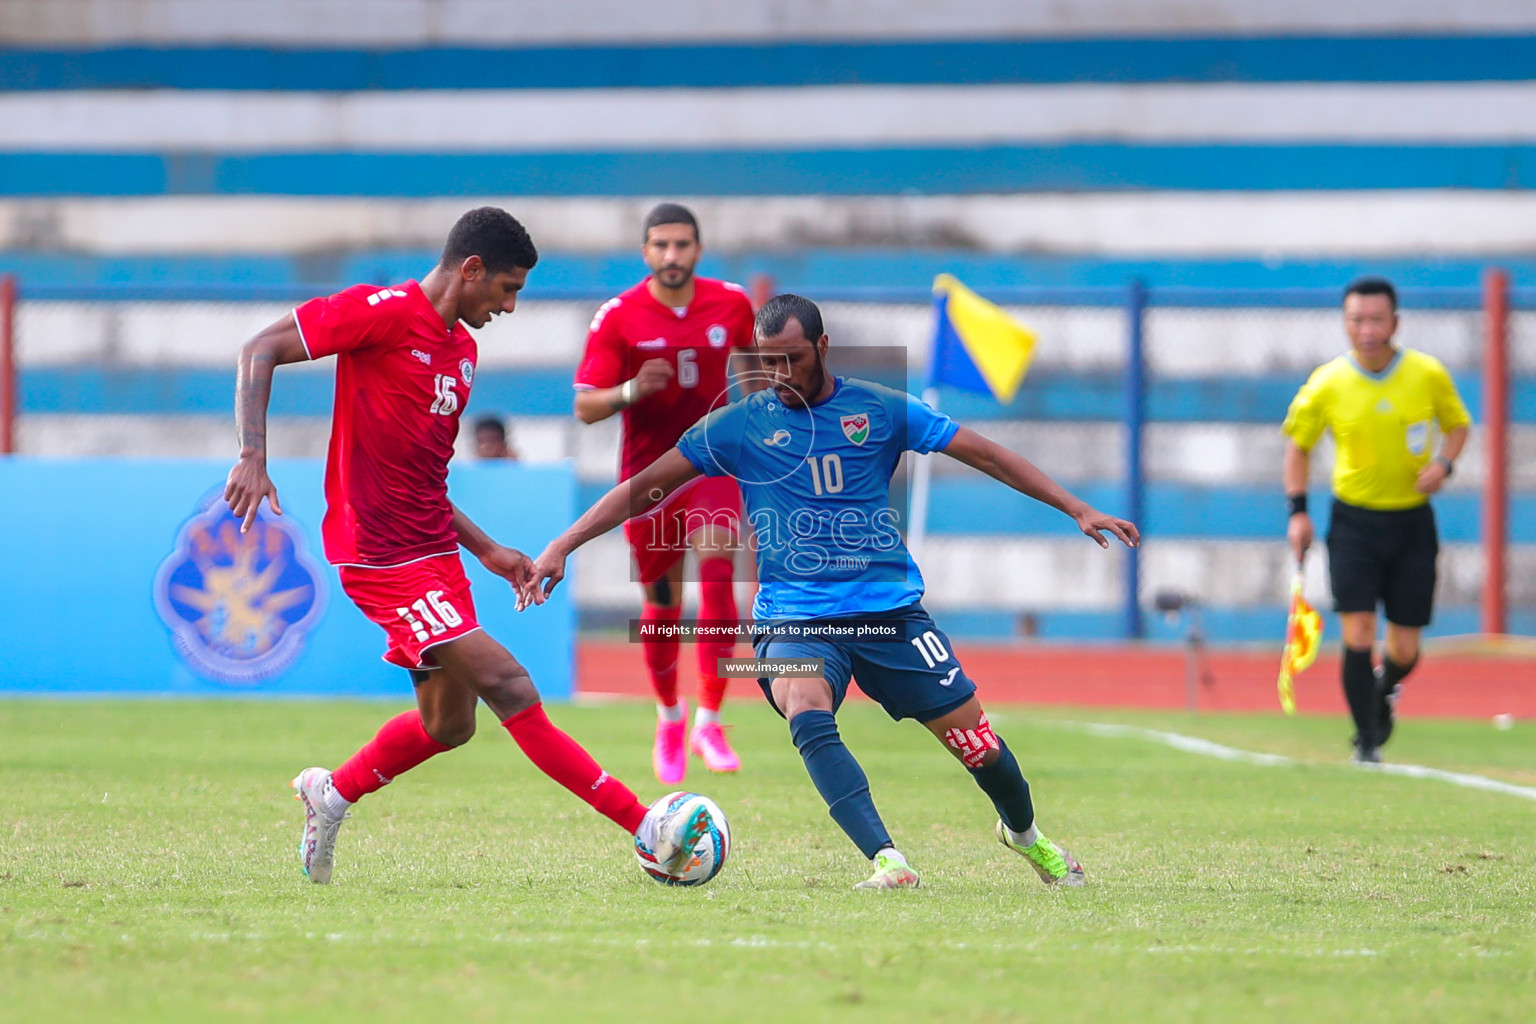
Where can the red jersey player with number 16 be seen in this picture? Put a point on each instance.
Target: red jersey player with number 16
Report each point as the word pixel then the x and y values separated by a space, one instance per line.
pixel 660 353
pixel 405 365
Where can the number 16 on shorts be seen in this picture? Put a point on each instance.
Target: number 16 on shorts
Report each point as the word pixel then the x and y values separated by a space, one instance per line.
pixel 432 615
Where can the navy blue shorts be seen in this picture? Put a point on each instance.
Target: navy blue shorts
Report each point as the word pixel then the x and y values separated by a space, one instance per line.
pixel 912 675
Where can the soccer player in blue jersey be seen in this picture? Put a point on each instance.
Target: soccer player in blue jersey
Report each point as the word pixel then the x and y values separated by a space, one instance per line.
pixel 814 454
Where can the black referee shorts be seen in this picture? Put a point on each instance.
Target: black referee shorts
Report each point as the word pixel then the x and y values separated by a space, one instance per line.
pixel 1383 556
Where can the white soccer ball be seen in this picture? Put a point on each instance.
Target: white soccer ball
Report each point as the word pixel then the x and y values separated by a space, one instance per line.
pixel 676 815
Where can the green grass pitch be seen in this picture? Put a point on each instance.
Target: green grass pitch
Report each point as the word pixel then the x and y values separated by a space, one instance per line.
pixel 148 873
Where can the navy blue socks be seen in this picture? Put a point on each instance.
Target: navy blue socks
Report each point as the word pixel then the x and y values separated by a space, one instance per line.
pixel 1004 783
pixel 840 780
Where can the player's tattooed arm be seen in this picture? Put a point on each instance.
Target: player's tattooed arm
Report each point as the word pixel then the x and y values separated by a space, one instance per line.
pixel 248 482
pixel 998 462
pixel 629 499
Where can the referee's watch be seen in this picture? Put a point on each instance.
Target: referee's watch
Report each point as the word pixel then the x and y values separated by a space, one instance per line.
pixel 1446 464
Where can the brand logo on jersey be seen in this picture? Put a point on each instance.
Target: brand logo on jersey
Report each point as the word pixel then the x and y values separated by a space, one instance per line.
pixel 652 343
pixel 779 439
pixel 239 605
pixel 467 371
pixel 385 293
pixel 716 335
pixel 425 357
pixel 856 427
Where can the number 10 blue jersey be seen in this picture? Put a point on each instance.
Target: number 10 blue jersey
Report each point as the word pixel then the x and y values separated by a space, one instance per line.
pixel 816 483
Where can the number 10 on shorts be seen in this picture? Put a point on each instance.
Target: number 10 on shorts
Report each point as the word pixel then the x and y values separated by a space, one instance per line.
pixel 930 647
pixel 432 612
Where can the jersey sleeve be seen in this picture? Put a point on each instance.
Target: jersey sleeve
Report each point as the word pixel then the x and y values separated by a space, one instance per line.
pixel 1308 414
pixel 352 319
pixel 743 323
pixel 1450 412
pixel 602 364
pixel 713 445
pixel 925 428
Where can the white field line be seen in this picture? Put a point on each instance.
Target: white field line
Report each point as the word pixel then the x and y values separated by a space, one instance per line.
pixel 1206 748
pixel 765 942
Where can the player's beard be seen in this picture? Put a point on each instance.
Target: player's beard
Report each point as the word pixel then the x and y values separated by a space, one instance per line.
pixel 816 383
pixel 665 276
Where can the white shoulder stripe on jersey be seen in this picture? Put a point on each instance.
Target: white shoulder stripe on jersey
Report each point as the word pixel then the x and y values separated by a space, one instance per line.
pixel 302 340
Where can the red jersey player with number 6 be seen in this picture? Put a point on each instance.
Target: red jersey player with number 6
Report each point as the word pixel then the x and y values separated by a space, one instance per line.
pixel 405 365
pixel 660 353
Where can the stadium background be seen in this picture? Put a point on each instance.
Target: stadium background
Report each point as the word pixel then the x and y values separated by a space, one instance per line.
pixel 175 175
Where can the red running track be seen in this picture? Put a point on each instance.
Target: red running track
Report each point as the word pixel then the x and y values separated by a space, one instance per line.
pixel 1454 684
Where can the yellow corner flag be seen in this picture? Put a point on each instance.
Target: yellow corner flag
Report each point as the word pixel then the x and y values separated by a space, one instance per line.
pixel 1303 636
pixel 976 346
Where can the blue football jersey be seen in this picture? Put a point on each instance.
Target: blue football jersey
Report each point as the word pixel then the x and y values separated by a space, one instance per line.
pixel 817 485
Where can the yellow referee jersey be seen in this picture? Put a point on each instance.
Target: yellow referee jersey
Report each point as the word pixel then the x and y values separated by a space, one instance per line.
pixel 1383 424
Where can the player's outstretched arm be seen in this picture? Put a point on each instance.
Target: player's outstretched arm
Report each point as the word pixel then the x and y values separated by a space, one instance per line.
pixel 248 482
pixel 508 563
pixel 629 499
pixel 1028 479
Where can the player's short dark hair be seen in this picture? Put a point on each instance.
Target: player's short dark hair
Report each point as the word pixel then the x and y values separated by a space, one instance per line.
pixel 495 236
pixel 669 213
pixel 778 311
pixel 1372 286
pixel 491 422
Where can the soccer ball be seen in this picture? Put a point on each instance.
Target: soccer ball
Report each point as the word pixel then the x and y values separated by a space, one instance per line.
pixel 676 815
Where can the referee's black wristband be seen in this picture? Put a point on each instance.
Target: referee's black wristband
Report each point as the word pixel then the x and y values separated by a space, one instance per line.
pixel 1297 503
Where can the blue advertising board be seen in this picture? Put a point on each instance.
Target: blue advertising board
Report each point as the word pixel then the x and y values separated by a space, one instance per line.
pixel 129 576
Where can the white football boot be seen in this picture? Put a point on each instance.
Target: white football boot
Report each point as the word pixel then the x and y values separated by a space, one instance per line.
pixel 317 849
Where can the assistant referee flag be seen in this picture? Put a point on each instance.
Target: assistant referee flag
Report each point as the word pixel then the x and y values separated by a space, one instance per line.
pixel 976 346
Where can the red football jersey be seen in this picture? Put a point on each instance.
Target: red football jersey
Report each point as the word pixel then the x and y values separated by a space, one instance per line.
pixel 634 327
pixel 402 377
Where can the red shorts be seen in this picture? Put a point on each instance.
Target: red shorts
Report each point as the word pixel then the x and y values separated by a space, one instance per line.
pixel 660 537
pixel 419 605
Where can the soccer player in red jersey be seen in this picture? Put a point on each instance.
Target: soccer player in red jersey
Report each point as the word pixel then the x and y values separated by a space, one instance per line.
pixel 405 365
pixel 660 353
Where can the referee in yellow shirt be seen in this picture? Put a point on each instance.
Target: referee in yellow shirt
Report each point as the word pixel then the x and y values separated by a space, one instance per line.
pixel 1385 406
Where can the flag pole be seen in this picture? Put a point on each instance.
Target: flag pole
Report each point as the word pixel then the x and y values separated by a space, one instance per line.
pixel 922 478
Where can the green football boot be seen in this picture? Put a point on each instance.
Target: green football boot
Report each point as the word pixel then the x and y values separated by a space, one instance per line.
pixel 1054 865
pixel 890 873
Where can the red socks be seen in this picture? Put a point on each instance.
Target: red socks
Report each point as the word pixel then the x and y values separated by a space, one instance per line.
pixel 717 604
pixel 400 745
pixel 563 759
pixel 661 652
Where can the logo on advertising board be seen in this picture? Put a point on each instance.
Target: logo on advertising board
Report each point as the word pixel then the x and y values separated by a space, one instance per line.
pixel 856 427
pixel 239 605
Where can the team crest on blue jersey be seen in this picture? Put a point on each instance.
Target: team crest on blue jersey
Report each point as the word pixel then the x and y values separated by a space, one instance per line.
pixel 716 335
pixel 467 371
pixel 856 427
pixel 239 606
